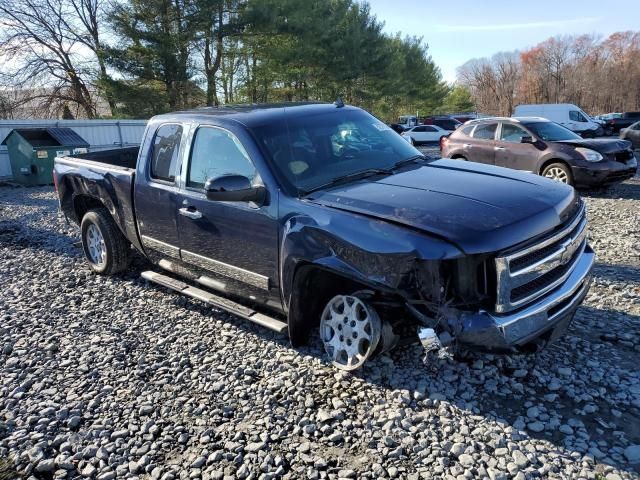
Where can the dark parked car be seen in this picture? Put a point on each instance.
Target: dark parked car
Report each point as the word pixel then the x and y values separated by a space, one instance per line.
pixel 632 134
pixel 306 216
pixel 543 147
pixel 398 127
pixel 614 125
pixel 442 121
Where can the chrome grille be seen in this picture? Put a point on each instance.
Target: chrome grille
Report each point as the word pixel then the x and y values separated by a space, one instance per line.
pixel 527 274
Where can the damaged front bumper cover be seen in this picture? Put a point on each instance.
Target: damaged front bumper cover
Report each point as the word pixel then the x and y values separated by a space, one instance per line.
pixel 549 317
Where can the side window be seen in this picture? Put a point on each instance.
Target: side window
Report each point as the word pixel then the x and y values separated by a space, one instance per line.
pixel 164 156
pixel 512 133
pixel 420 129
pixel 576 116
pixel 486 131
pixel 430 129
pixel 214 153
pixel 636 126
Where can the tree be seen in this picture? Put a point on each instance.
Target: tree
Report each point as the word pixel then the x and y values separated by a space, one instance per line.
pixel 157 38
pixel 49 50
pixel 492 82
pixel 458 100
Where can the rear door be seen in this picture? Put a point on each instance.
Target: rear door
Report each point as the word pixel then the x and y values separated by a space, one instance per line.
pixel 431 133
pixel 510 152
pixel 481 148
pixel 419 134
pixel 236 243
pixel 156 191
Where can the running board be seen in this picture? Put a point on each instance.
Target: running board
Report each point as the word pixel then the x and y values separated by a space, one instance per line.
pixel 219 302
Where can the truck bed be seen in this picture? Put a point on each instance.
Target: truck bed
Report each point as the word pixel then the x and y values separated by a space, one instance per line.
pixel 117 157
pixel 106 177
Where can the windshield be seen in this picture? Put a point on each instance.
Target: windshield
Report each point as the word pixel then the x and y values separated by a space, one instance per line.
pixel 313 150
pixel 551 131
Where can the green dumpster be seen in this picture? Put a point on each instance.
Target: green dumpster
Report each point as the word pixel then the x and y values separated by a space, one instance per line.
pixel 32 151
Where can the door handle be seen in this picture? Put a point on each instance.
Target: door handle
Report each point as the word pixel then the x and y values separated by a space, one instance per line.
pixel 189 213
pixel 498 148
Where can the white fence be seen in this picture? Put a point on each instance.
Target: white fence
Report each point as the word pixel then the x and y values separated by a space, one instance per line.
pixel 100 134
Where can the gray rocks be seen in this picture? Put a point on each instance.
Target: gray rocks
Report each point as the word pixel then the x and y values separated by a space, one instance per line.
pixel 45 466
pixel 632 453
pixel 107 378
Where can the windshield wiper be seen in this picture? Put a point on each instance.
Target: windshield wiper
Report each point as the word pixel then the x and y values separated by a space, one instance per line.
pixel 407 161
pixel 349 177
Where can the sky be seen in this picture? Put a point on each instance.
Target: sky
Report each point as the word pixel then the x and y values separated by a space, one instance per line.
pixel 457 31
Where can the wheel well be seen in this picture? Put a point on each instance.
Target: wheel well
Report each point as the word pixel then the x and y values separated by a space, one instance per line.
pixel 83 203
pixel 305 310
pixel 457 155
pixel 549 162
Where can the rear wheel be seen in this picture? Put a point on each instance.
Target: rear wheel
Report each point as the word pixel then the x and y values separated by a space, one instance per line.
pixel 106 249
pixel 558 172
pixel 350 331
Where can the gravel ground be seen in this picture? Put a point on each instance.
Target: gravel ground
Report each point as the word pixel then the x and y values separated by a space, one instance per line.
pixel 113 377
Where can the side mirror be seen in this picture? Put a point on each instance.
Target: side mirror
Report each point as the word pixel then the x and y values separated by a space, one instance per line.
pixel 234 188
pixel 527 139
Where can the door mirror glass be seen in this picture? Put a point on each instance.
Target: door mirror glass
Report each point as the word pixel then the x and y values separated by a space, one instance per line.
pixel 234 188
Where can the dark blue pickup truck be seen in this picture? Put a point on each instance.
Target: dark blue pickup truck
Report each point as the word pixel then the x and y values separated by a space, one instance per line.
pixel 307 216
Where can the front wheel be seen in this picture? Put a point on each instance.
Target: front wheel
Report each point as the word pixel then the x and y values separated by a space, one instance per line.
pixel 350 331
pixel 106 249
pixel 558 172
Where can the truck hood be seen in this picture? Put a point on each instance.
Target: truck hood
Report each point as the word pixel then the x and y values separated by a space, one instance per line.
pixel 478 208
pixel 601 145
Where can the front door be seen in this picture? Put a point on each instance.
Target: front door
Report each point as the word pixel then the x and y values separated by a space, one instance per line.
pixel 236 243
pixel 511 153
pixel 481 149
pixel 156 193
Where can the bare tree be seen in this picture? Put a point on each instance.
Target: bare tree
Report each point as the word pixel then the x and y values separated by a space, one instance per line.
pixel 52 49
pixel 599 75
pixel 492 82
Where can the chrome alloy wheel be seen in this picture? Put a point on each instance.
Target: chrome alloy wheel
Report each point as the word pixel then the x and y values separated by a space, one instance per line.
pixel 95 244
pixel 556 173
pixel 350 331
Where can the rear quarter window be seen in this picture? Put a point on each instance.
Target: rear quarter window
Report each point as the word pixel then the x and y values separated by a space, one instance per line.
pixel 466 131
pixel 164 155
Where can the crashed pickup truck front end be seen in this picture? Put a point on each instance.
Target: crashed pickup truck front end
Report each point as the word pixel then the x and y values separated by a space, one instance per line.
pixel 527 295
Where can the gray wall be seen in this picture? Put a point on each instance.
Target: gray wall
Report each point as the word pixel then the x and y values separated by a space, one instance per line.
pixel 101 134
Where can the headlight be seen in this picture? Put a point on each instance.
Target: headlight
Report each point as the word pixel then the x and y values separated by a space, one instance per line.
pixel 589 155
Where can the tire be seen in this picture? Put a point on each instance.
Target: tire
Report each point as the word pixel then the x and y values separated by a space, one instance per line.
pixel 559 172
pixel 413 142
pixel 350 330
pixel 105 247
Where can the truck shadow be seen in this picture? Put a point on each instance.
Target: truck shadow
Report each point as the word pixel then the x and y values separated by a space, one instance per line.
pixel 596 403
pixel 24 234
pixel 618 273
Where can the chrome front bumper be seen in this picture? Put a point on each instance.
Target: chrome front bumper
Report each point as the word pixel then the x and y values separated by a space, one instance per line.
pixel 553 311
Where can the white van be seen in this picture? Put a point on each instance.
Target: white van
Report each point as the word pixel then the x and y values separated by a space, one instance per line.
pixel 566 114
